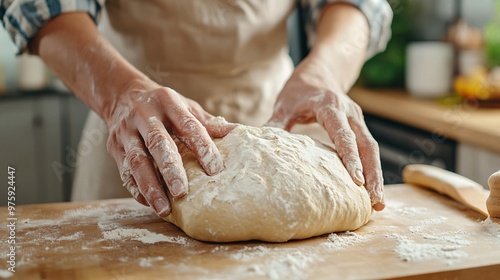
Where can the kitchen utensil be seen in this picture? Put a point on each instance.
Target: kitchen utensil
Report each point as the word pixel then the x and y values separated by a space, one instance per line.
pixel 461 189
pixel 493 202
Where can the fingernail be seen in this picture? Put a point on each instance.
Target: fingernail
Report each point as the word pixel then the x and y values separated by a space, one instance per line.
pixel 177 189
pixel 215 165
pixel 378 200
pixel 360 177
pixel 162 207
pixel 378 206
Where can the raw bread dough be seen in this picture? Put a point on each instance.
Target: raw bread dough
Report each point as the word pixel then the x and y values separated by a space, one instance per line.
pixel 276 186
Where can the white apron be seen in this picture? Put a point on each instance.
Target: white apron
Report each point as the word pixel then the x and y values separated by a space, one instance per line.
pixel 231 56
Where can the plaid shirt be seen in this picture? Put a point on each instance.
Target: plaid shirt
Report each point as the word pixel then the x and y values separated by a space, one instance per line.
pixel 23 18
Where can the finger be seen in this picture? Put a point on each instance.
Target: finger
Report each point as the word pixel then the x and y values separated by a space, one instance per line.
pixel 281 117
pixel 143 171
pixel 193 134
pixel 130 184
pixel 370 158
pixel 164 152
pixel 128 180
pixel 336 124
pixel 216 127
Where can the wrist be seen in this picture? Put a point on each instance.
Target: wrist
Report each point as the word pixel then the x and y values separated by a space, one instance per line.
pixel 87 63
pixel 119 86
pixel 317 70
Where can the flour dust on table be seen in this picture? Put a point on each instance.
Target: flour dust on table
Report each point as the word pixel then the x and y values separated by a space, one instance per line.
pixel 276 186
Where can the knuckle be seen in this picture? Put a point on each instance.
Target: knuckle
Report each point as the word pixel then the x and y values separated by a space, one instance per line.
pixel 150 193
pixel 328 109
pixel 166 92
pixel 125 174
pixel 133 190
pixel 170 171
pixel 344 136
pixel 135 158
pixel 370 144
pixel 169 168
pixel 356 109
pixel 156 139
pixel 331 98
pixel 324 114
pixel 188 124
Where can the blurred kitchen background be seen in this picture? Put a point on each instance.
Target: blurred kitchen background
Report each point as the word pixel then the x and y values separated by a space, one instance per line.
pixel 41 121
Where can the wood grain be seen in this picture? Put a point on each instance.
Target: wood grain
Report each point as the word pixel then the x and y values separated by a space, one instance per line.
pixel 68 241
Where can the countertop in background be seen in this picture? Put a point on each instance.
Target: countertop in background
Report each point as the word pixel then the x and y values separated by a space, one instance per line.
pixel 461 122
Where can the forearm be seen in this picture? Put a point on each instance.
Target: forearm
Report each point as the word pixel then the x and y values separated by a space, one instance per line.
pixel 73 48
pixel 341 44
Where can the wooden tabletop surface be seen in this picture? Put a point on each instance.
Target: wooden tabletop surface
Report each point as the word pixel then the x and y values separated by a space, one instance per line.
pixel 420 235
pixel 463 123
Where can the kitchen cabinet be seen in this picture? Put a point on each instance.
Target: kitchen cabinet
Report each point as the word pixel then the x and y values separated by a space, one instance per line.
pixel 401 145
pixel 477 163
pixel 38 130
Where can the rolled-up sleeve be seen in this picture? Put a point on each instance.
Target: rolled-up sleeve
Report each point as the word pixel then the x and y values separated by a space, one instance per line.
pixel 377 12
pixel 23 18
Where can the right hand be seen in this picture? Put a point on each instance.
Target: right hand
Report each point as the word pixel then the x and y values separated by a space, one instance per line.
pixel 141 124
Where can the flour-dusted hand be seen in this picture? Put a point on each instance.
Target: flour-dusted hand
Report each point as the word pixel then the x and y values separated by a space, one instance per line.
pixel 142 116
pixel 141 126
pixel 317 89
pixel 310 96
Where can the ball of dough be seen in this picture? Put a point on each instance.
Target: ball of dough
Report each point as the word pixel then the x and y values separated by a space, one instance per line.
pixel 276 186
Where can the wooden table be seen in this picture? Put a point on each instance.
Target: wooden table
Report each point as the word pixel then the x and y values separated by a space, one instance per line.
pixel 463 123
pixel 420 235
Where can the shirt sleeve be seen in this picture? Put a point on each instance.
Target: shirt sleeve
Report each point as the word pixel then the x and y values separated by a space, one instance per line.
pixel 378 13
pixel 23 18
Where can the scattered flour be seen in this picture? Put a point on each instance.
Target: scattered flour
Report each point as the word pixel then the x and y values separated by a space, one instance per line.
pixel 283 263
pixel 293 265
pixel 426 223
pixel 338 241
pixel 458 238
pixel 38 232
pixel 104 214
pixel 75 236
pixel 422 243
pixel 143 235
pixel 411 212
pixel 220 249
pixel 492 227
pixel 250 253
pixel 411 251
pixel 148 262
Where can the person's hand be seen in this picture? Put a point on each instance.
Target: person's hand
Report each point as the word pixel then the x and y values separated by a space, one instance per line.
pixel 310 95
pixel 141 115
pixel 141 126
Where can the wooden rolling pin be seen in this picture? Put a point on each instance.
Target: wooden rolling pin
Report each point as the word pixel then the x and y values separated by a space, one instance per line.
pixel 462 189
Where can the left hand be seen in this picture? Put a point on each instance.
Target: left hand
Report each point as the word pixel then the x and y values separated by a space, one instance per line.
pixel 312 95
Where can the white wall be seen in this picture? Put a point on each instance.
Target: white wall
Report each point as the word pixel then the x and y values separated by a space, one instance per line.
pixel 477 163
